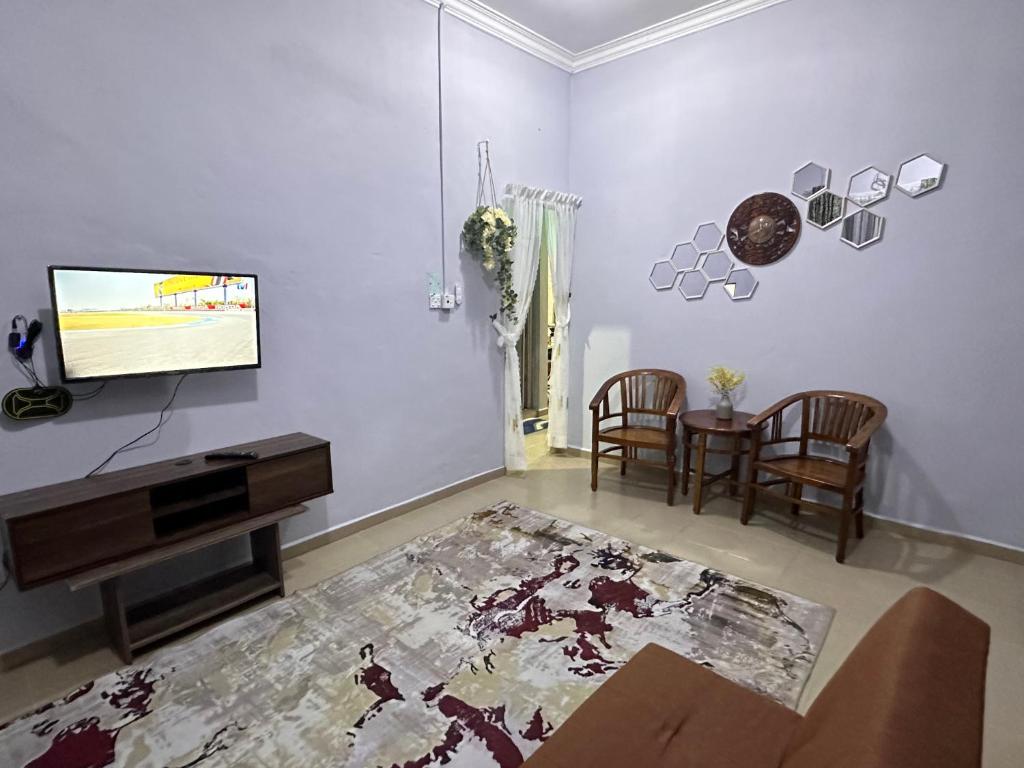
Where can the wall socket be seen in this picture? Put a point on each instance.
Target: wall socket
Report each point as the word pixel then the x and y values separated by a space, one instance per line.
pixel 438 296
pixel 433 290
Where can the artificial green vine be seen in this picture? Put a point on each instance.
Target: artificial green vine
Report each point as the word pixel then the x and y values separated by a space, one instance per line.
pixel 489 234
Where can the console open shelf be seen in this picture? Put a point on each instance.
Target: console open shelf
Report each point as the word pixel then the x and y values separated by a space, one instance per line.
pixel 240 490
pixel 197 603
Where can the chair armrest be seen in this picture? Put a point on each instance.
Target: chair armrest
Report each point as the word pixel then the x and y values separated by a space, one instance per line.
pixel 602 393
pixel 859 440
pixel 677 404
pixel 758 421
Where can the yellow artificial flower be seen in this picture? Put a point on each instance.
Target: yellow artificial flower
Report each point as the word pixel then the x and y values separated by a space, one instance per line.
pixel 724 380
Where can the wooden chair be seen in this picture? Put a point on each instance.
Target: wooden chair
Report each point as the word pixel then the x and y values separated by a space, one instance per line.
pixel 644 396
pixel 839 418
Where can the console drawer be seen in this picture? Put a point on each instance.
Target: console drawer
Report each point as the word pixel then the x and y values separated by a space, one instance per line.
pixel 279 483
pixel 58 543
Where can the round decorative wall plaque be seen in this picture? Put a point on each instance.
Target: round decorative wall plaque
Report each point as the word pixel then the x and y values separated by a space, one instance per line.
pixel 763 229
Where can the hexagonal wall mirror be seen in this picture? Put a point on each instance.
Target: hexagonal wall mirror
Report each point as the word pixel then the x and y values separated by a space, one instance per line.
pixel 693 285
pixel 919 175
pixel 717 266
pixel 741 284
pixel 825 209
pixel 663 275
pixel 862 228
pixel 684 256
pixel 869 187
pixel 809 180
pixel 708 237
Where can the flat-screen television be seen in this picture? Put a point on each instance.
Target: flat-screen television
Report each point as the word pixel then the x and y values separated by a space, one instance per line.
pixel 140 322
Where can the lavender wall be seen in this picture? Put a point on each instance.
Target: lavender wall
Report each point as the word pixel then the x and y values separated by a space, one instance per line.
pixel 930 320
pixel 295 140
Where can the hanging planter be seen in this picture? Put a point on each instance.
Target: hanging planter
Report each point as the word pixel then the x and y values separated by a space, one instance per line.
pixel 489 234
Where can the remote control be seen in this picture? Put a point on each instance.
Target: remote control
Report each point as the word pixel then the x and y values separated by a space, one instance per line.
pixel 232 455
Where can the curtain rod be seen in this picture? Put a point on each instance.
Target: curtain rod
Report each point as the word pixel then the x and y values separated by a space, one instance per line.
pixel 545 195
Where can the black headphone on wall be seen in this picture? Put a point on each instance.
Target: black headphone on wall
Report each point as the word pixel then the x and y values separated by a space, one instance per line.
pixel 22 342
pixel 38 401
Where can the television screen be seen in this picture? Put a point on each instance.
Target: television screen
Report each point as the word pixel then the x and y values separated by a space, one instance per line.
pixel 119 322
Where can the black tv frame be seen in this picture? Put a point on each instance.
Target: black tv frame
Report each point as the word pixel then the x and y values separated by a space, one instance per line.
pixel 60 347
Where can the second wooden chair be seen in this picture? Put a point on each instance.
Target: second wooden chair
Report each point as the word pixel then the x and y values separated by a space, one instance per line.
pixel 646 398
pixel 840 418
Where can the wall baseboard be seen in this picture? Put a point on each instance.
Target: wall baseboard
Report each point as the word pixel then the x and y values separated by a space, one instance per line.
pixel 84 638
pixel 350 527
pixel 964 541
pixel 91 635
pixel 975 544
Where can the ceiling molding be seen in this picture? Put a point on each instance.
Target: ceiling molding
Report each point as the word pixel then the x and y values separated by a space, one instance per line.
pixel 511 31
pixel 522 37
pixel 710 15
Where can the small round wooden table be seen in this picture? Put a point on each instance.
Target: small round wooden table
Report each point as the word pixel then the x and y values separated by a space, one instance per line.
pixel 704 424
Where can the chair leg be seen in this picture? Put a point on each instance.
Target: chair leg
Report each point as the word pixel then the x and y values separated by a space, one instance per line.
pixel 748 498
pixel 670 461
pixel 859 511
pixel 698 475
pixel 593 465
pixel 626 454
pixel 734 467
pixel 797 491
pixel 844 529
pixel 686 461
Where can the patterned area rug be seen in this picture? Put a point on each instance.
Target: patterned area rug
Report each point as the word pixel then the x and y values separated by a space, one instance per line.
pixel 465 647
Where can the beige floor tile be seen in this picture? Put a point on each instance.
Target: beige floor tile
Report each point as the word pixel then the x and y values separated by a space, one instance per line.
pixel 796 555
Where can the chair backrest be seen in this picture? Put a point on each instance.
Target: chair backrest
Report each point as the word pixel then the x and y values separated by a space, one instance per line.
pixel 835 417
pixel 647 390
pixel 910 695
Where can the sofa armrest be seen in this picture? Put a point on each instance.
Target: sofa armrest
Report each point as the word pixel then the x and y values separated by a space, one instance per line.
pixel 662 710
pixel 910 695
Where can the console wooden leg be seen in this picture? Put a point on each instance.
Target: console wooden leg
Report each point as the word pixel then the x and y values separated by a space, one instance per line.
pixel 266 553
pixel 116 617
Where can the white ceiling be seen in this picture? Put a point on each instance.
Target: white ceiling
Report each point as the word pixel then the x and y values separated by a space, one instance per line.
pixel 581 24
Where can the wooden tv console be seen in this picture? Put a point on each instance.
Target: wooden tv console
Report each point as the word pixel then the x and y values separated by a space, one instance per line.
pixel 98 530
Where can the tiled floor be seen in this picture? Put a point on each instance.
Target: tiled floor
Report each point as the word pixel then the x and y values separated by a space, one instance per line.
pixel 771 550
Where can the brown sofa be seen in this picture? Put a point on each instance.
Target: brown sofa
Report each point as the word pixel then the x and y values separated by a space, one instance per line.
pixel 911 695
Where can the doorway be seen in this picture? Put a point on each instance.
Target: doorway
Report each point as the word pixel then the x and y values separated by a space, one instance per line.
pixel 535 347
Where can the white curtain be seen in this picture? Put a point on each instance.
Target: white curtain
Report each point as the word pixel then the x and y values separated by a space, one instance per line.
pixel 563 216
pixel 526 206
pixel 527 211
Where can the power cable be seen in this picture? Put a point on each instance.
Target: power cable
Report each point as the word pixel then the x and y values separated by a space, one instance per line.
pixel 440 147
pixel 159 424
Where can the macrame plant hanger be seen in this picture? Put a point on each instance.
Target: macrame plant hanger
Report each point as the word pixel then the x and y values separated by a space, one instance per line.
pixel 485 181
pixel 484 174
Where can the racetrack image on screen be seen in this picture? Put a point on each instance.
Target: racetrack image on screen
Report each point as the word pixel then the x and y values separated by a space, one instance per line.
pixel 119 323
